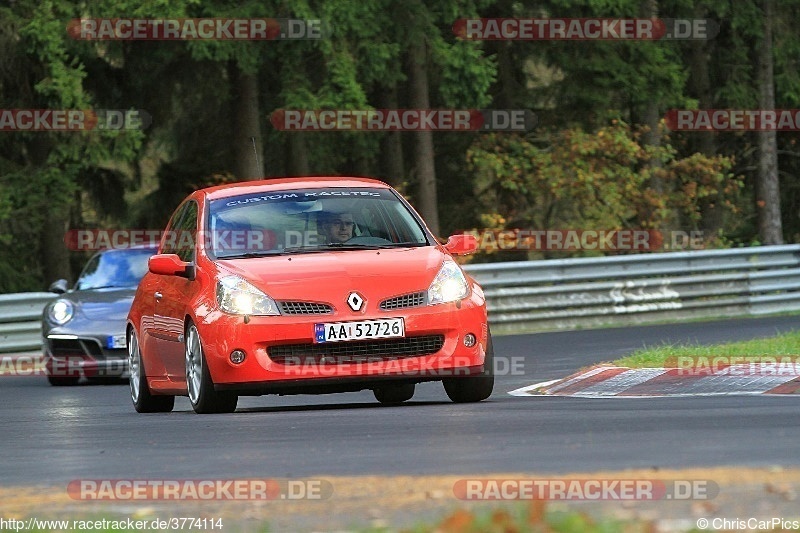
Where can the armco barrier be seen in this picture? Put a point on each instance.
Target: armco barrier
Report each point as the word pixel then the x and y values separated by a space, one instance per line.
pixel 527 296
pixel 21 320
pixel 557 294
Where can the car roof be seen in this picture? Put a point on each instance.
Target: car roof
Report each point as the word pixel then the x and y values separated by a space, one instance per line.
pixel 280 184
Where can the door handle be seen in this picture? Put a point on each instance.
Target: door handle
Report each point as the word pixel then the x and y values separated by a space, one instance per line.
pixel 158 295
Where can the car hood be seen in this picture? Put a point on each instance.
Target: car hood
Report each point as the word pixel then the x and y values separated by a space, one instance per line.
pixel 331 276
pixel 103 304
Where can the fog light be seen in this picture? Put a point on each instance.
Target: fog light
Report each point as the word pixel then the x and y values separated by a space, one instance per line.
pixel 237 357
pixel 469 340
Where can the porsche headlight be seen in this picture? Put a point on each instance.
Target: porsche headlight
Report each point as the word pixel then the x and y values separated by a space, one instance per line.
pixel 238 297
pixel 61 311
pixel 449 285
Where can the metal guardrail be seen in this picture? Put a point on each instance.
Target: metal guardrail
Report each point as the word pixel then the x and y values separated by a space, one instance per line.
pixel 549 295
pixel 528 296
pixel 21 320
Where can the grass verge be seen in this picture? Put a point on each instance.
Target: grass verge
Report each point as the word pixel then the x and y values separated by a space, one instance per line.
pixel 784 345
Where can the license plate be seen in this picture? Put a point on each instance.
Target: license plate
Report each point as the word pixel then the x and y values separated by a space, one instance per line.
pixel 364 329
pixel 116 342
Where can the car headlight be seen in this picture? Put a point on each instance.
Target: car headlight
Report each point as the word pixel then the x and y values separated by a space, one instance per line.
pixel 449 285
pixel 61 312
pixel 238 297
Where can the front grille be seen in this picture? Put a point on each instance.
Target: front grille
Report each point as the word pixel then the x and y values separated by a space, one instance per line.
pixel 305 308
pixel 414 299
pixel 356 351
pixel 75 347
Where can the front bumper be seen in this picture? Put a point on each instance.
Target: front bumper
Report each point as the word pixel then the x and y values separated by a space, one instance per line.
pixel 353 368
pixel 92 356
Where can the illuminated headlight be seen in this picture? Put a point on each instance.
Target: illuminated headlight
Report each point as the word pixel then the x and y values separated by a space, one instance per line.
pixel 61 312
pixel 238 297
pixel 449 285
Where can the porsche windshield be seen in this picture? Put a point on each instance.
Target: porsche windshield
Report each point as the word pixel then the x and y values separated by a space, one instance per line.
pixel 311 220
pixel 115 268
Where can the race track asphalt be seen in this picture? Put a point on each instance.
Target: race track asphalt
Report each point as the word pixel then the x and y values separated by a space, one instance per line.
pixel 50 436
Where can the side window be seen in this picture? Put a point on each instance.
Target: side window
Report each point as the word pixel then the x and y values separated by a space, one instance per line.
pixel 169 244
pixel 88 270
pixel 187 233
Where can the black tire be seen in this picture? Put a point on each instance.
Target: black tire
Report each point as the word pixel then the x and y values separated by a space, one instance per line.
pixel 395 394
pixel 143 400
pixel 202 396
pixel 473 388
pixel 58 375
pixel 109 381
pixel 62 382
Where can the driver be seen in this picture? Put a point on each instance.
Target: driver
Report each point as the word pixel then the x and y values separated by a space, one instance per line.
pixel 337 227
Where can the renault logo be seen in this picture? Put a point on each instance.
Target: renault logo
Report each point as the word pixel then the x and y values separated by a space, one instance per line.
pixel 355 301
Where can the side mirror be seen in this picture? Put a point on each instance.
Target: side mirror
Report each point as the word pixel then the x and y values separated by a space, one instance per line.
pixel 59 286
pixel 462 244
pixel 170 265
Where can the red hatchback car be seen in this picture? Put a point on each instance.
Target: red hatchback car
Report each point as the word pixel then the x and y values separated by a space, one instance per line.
pixel 304 286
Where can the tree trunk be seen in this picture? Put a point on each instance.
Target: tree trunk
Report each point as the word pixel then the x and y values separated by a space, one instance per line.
pixel 392 165
pixel 248 148
pixel 705 142
pixel 55 256
pixel 650 116
pixel 423 140
pixel 298 154
pixel 53 250
pixel 768 188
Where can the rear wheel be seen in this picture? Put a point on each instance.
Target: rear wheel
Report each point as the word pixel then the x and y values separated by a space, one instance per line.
pixel 394 394
pixel 473 388
pixel 203 397
pixel 143 400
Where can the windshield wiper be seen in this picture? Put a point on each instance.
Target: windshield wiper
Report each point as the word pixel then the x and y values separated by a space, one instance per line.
pixel 269 253
pixel 349 246
pixel 404 245
pixel 360 246
pixel 321 248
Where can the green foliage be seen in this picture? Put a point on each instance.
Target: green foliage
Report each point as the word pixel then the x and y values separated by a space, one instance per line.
pixel 42 171
pixel 572 179
pixel 580 169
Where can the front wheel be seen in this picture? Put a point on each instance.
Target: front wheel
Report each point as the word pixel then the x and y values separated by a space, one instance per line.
pixel 60 373
pixel 473 388
pixel 202 396
pixel 394 394
pixel 143 400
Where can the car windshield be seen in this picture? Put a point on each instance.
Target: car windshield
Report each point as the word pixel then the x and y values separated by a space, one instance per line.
pixel 311 220
pixel 114 268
